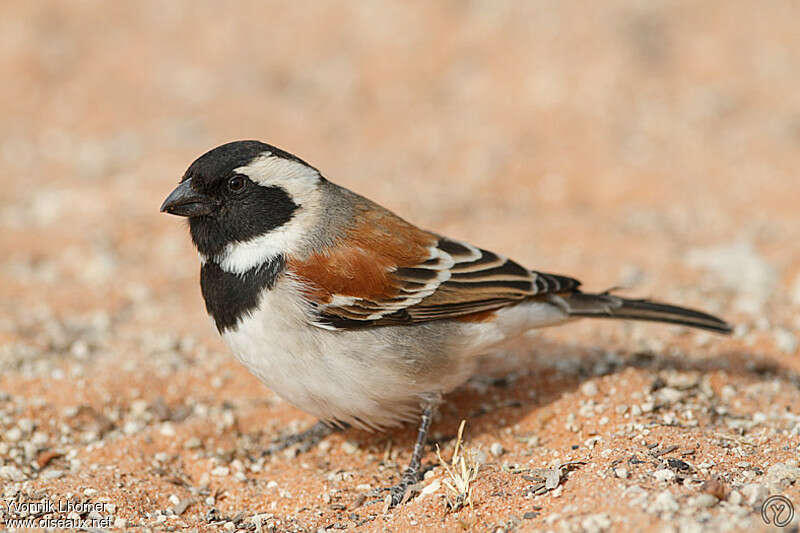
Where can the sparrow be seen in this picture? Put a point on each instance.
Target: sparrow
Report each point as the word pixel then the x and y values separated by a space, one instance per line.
pixel 349 312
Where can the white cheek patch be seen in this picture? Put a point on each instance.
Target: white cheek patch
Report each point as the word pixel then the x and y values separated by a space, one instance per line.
pixel 239 257
pixel 301 183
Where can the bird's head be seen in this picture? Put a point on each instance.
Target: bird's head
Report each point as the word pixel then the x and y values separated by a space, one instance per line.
pixel 246 202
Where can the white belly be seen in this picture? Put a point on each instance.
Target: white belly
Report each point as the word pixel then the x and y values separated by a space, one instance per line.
pixel 371 377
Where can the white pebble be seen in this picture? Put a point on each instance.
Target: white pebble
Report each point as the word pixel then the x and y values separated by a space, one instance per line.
pixel 596 523
pixel 705 500
pixel 779 472
pixel 26 425
pixel 786 341
pixel 13 434
pixel 432 487
pixel 52 474
pixel 754 493
pixel 664 474
pixel 496 449
pixel 220 471
pixel 191 443
pixel 11 473
pixel 665 502
pixel 349 447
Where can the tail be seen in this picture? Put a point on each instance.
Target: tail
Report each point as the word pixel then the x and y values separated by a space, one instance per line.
pixel 604 305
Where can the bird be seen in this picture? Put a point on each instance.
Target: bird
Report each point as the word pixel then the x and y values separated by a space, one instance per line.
pixel 351 313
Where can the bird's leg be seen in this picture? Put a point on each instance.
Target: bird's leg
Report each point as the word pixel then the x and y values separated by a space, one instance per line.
pixel 413 473
pixel 306 439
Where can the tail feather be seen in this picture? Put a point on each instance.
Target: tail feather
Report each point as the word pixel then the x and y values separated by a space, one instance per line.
pixel 580 304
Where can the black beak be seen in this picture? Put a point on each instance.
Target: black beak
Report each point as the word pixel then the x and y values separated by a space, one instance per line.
pixel 186 202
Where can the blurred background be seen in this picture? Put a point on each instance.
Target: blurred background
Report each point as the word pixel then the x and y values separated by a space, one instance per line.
pixel 527 126
pixel 654 144
pixel 495 121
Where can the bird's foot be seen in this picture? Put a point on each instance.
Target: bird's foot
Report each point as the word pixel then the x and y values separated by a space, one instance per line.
pixel 305 440
pixel 403 491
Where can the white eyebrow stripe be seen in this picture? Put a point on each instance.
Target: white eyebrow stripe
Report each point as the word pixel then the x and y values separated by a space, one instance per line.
pixel 268 170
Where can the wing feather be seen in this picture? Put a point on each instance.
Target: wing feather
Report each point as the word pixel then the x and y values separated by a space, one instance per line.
pixel 453 279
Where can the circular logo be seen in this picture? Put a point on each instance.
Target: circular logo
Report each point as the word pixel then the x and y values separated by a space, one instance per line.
pixel 777 510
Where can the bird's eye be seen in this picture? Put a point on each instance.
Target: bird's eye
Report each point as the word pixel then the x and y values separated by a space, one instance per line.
pixel 236 183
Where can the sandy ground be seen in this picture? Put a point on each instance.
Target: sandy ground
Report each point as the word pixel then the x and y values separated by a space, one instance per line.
pixel 654 145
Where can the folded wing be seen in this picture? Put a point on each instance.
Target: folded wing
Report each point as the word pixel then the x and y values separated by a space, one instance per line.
pixel 393 273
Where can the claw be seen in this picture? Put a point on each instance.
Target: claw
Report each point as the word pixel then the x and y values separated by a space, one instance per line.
pixel 306 439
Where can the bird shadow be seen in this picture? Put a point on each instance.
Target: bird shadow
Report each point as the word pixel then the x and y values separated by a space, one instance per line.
pixel 492 402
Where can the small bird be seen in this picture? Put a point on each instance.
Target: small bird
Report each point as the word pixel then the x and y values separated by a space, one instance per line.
pixel 349 312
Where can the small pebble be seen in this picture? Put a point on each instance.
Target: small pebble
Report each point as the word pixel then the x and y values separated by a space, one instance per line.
pixel 25 425
pixel 621 472
pixel 780 472
pixel 754 494
pixel 596 523
pixel 715 487
pixel 220 471
pixel 665 474
pixel 589 388
pixel 496 449
pixel 705 500
pixel 11 473
pixel 52 474
pixel 431 488
pixel 192 443
pixel 665 502
pixel 786 341
pixel 349 447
